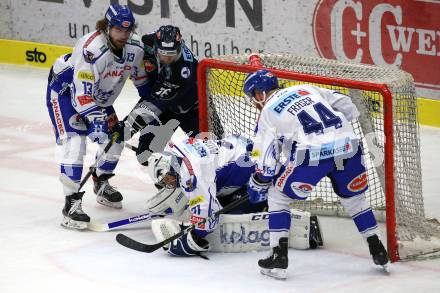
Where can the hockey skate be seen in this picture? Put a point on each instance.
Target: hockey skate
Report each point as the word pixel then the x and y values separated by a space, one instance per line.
pixel 275 265
pixel 105 193
pixel 378 252
pixel 315 238
pixel 74 216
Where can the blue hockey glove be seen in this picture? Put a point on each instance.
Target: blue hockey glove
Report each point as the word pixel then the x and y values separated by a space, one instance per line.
pixel 97 129
pixel 189 244
pixel 257 189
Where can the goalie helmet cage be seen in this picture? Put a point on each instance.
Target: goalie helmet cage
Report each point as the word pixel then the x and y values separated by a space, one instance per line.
pixel 387 127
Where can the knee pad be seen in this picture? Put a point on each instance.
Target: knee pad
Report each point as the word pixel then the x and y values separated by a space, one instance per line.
pixel 355 204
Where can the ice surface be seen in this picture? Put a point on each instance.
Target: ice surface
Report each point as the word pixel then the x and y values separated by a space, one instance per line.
pixel 38 255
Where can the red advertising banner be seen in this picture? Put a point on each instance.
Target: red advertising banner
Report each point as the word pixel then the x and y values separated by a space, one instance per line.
pixel 399 33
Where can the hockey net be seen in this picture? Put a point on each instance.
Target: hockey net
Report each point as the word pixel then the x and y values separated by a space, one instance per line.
pixel 387 126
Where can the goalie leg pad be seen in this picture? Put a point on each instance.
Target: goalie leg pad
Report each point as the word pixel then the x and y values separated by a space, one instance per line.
pixel 164 228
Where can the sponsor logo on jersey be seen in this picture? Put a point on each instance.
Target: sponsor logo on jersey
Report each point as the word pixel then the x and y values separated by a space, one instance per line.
pixel 301 189
pixel 244 235
pixel 195 219
pixel 185 72
pixel 281 181
pixel 197 200
pixel 383 33
pixel 280 106
pixel 86 75
pixel 255 153
pixel 76 122
pixel 329 150
pixel 84 100
pixel 36 56
pixel 359 183
pixel 113 73
pixel 57 115
pixel 187 56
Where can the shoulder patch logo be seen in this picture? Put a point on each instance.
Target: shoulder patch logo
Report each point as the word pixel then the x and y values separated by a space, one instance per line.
pixel 185 72
pixel 88 56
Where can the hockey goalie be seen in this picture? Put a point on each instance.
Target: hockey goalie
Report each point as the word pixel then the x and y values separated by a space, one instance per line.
pixel 198 177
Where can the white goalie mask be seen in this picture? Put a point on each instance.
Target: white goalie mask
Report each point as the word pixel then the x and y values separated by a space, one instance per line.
pixel 170 198
pixel 159 166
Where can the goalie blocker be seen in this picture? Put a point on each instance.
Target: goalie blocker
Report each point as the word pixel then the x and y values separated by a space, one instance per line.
pixel 248 232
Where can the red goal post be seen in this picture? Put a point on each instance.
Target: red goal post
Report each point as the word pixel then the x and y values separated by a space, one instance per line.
pixel 222 111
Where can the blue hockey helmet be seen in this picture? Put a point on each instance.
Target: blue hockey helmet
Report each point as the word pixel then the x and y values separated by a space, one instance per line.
pixel 168 40
pixel 262 80
pixel 120 16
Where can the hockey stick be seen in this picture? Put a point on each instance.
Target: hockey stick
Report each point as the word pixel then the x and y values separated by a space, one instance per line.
pixel 131 147
pixel 77 186
pixel 103 227
pixel 148 248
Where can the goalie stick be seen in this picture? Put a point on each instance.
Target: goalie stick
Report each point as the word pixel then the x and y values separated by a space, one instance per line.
pixel 148 248
pixel 103 227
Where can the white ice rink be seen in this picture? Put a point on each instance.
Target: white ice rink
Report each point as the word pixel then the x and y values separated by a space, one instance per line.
pixel 38 255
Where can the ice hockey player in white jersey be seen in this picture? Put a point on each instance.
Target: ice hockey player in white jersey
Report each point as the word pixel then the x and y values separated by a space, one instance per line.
pixel 309 127
pixel 82 87
pixel 206 175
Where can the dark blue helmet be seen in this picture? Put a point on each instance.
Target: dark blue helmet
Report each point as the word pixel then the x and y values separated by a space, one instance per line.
pixel 168 40
pixel 261 80
pixel 120 16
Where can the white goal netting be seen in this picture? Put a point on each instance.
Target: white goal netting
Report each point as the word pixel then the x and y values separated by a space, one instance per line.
pixel 412 235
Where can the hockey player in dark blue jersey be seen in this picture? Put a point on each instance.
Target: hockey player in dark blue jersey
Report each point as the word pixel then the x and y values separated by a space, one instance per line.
pixel 171 68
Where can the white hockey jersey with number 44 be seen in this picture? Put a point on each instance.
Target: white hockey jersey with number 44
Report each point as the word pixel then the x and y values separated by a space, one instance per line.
pixel 303 117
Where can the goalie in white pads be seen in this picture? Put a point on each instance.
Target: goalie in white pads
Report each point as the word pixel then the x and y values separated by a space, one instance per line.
pixel 205 175
pixel 311 127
